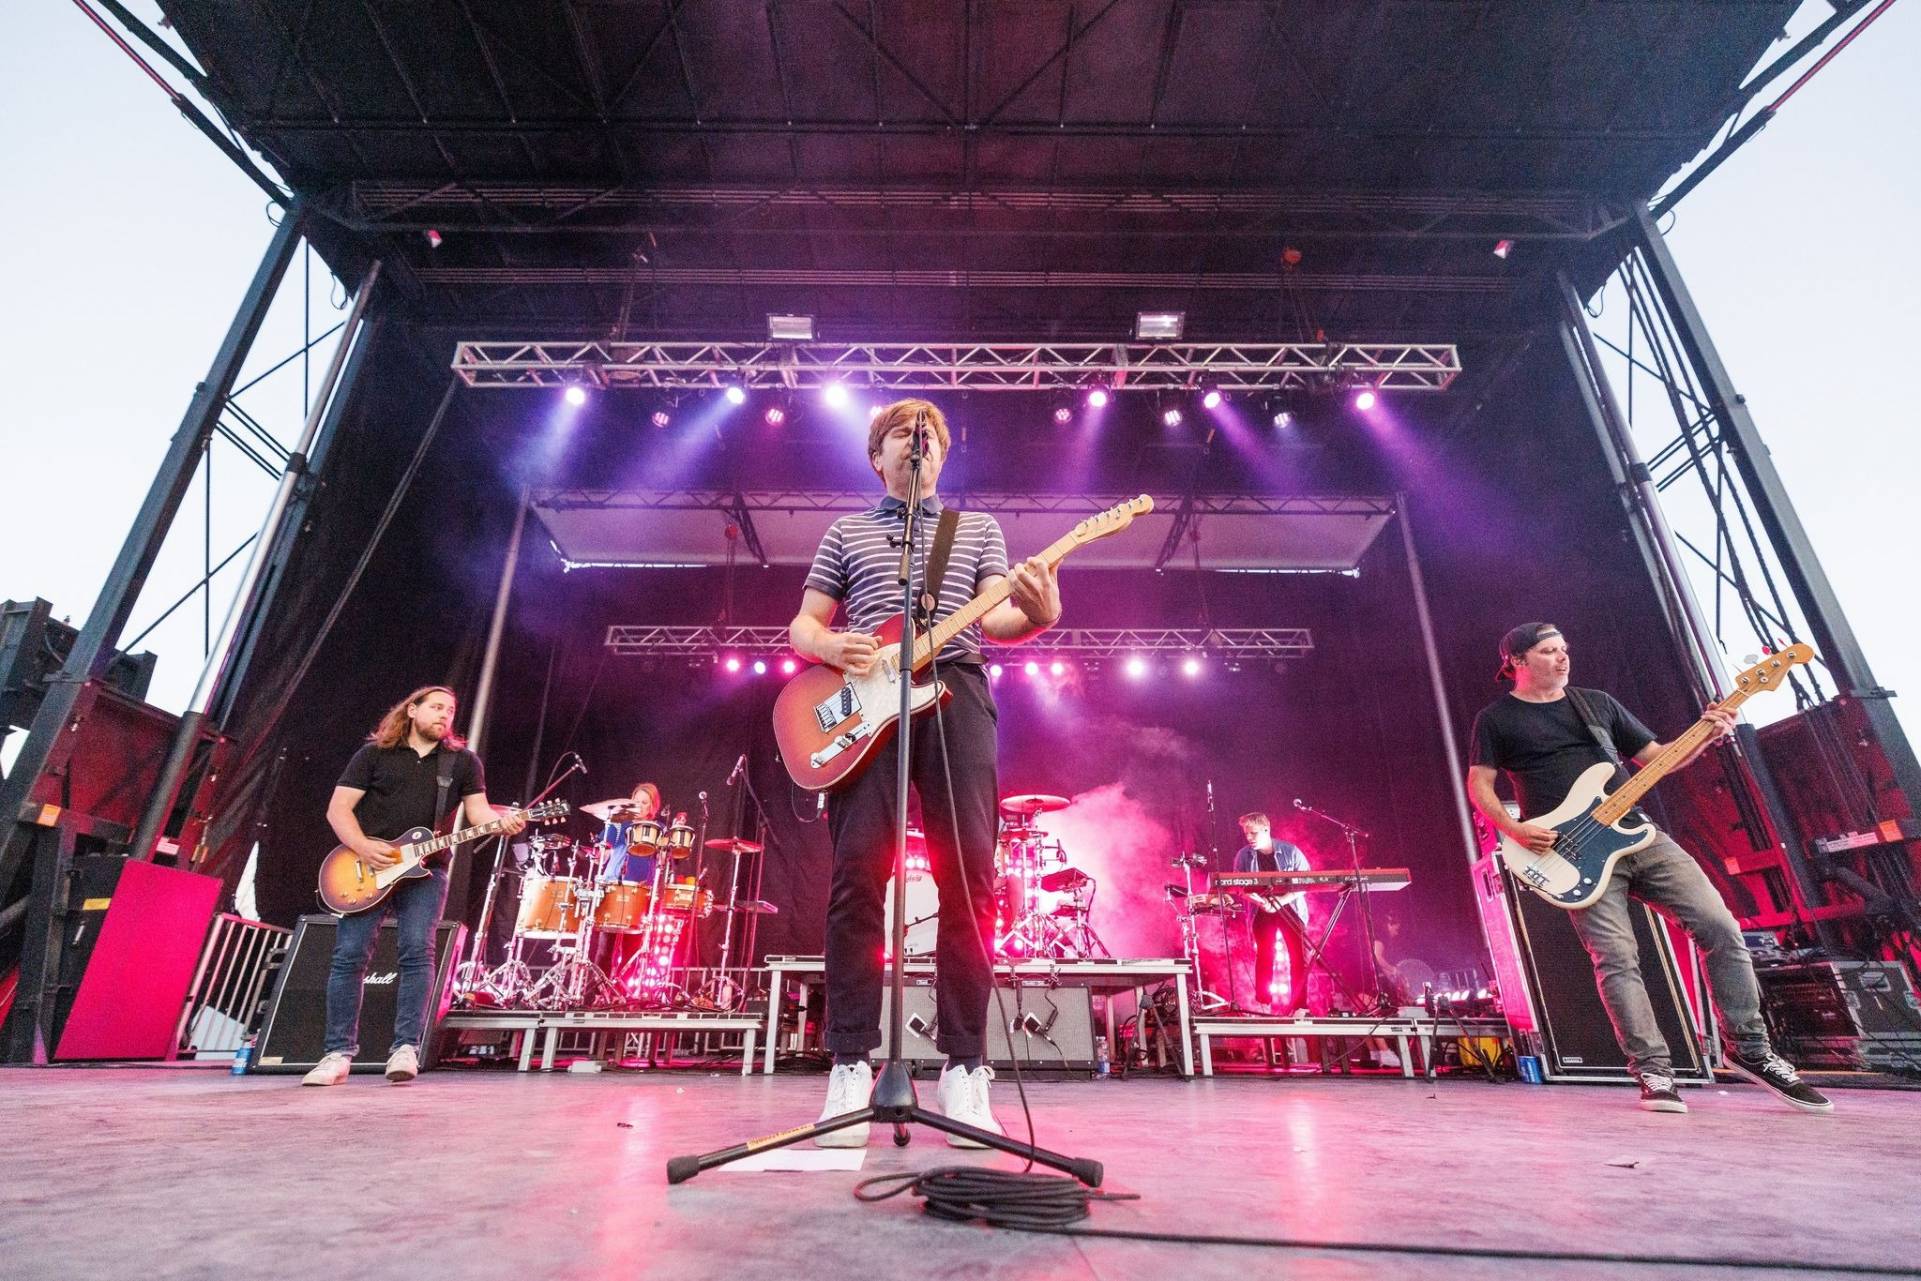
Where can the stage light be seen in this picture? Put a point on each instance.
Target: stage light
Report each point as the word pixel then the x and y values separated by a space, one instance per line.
pixel 1159 326
pixel 788 667
pixel 1136 668
pixel 1502 248
pixel 661 418
pixel 1033 668
pixel 434 238
pixel 760 667
pixel 575 396
pixel 1097 399
pixel 790 328
pixel 1365 400
pixel 1191 667
pixel 873 412
pixel 736 396
pixel 732 664
pixel 835 394
pixel 1063 415
pixel 1057 668
pixel 1212 400
pixel 775 415
pixel 994 671
pixel 1283 419
pixel 1172 418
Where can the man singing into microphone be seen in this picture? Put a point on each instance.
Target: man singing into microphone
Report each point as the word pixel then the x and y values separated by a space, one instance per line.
pixel 858 567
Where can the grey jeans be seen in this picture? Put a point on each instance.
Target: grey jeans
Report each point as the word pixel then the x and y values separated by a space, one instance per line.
pixel 1665 877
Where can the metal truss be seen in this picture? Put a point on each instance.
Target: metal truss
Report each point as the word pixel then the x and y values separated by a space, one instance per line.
pixel 1234 644
pixel 961 366
pixel 851 500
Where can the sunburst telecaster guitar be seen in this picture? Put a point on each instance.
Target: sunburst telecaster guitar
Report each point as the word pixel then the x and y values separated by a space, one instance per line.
pixel 349 883
pixel 1595 829
pixel 829 723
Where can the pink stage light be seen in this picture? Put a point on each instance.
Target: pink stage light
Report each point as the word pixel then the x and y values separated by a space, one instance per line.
pixel 775 415
pixel 788 667
pixel 760 667
pixel 1097 398
pixel 1365 401
pixel 1137 668
pixel 661 418
pixel 736 396
pixel 575 396
pixel 1212 400
pixel 1063 415
pixel 873 412
pixel 732 664
pixel 1191 667
pixel 1172 418
pixel 1283 420
pixel 1057 668
pixel 1033 668
pixel 994 671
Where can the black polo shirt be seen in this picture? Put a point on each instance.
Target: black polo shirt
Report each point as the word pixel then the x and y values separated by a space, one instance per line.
pixel 400 785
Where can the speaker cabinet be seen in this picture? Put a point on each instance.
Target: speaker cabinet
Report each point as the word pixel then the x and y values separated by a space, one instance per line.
pixel 1548 988
pixel 1045 1027
pixel 293 1036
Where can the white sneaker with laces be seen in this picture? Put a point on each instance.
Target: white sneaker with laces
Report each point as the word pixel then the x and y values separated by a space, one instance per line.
pixel 403 1065
pixel 849 1087
pixel 963 1097
pixel 331 1070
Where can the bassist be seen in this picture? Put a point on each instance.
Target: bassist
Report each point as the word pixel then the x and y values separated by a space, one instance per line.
pixel 1544 734
pixel 393 783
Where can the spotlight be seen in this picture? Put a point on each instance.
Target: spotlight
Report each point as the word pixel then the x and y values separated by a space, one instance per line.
pixel 873 412
pixel 1033 668
pixel 1159 326
pixel 1057 668
pixel 760 667
pixel 1502 248
pixel 1365 400
pixel 994 670
pixel 1283 419
pixel 434 238
pixel 732 664
pixel 1136 667
pixel 1063 415
pixel 1212 400
pixel 835 394
pixel 575 396
pixel 1097 399
pixel 736 395
pixel 790 328
pixel 788 667
pixel 1172 418
pixel 1191 667
pixel 661 418
pixel 775 415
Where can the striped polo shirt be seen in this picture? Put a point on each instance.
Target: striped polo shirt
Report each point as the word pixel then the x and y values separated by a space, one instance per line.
pixel 858 564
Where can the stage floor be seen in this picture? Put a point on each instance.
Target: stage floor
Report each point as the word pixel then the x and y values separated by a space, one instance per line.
pixel 162 1173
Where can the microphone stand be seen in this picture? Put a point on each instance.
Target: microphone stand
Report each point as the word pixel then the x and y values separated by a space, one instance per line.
pixel 893 1101
pixel 1355 836
pixel 476 958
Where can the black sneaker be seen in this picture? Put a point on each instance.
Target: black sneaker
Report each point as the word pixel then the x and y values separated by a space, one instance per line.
pixel 1658 1093
pixel 1778 1074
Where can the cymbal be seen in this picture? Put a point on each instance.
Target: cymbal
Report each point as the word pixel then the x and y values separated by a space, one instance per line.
pixel 738 847
pixel 752 907
pixel 620 809
pixel 1031 803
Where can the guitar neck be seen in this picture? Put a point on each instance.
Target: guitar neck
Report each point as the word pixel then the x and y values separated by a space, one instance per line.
pixel 451 839
pixel 925 647
pixel 1616 806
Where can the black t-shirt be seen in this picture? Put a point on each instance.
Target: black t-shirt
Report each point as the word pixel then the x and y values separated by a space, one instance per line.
pixel 1545 746
pixel 400 785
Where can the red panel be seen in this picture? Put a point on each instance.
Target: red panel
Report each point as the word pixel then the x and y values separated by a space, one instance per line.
pixel 129 1002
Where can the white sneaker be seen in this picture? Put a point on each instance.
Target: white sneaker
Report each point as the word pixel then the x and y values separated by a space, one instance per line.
pixel 331 1070
pixel 963 1097
pixel 849 1087
pixel 403 1065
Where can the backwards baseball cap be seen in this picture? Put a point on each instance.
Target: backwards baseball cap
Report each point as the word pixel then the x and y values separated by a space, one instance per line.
pixel 1520 640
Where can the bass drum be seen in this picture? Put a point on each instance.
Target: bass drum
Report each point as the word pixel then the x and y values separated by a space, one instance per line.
pixel 623 906
pixel 923 913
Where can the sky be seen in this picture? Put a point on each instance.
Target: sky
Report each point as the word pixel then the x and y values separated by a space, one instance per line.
pixel 130 239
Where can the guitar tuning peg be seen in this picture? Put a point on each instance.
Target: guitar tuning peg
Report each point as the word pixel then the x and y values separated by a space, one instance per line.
pixel 1750 660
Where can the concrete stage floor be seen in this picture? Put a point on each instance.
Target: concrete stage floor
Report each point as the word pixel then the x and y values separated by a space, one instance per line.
pixel 162 1173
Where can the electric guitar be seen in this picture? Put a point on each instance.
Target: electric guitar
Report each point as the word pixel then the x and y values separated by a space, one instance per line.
pixel 1595 829
pixel 829 724
pixel 348 883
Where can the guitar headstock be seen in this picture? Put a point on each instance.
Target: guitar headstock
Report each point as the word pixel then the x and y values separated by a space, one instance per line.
pixel 1111 521
pixel 1773 669
pixel 547 812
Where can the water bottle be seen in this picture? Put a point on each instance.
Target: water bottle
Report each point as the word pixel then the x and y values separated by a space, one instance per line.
pixel 242 1057
pixel 1102 1066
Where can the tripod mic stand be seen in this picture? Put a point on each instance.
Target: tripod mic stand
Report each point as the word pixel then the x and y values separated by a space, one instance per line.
pixel 1354 837
pixel 893 1101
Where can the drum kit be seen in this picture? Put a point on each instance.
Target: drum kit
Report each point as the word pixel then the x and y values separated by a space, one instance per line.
pixel 616 913
pixel 1042 905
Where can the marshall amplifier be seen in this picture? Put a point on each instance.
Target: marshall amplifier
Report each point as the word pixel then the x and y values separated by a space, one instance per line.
pixel 1051 1027
pixel 293 1035
pixel 1548 990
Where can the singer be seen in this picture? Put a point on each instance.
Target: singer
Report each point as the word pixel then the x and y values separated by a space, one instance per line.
pixel 858 568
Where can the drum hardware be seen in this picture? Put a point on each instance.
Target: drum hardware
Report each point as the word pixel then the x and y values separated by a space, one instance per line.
pixel 1028 804
pixel 620 809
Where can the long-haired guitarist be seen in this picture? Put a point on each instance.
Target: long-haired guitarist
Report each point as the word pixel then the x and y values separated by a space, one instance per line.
pixel 1544 734
pixel 1263 853
pixel 857 569
pixel 393 784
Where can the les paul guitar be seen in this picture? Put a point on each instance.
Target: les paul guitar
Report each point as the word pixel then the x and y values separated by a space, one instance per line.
pixel 349 883
pixel 830 723
pixel 1595 829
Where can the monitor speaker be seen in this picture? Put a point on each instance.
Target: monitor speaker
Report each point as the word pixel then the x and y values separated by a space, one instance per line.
pixel 1045 1027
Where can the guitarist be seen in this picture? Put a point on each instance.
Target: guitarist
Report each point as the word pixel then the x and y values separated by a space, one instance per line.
pixel 1543 734
pixel 1263 853
pixel 393 783
pixel 857 569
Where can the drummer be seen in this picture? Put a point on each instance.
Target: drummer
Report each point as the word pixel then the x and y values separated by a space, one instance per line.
pixel 626 862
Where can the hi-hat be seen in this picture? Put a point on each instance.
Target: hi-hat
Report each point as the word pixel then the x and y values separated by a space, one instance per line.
pixel 738 847
pixel 621 809
pixel 1031 803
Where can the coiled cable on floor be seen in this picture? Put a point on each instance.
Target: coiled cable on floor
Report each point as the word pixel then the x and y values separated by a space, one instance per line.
pixel 999 1198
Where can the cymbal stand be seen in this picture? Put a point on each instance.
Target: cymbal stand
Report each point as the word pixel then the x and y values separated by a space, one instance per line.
pixel 1204 999
pixel 721 991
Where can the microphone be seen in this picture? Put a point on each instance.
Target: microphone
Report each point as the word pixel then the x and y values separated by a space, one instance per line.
pixel 580 766
pixel 1299 804
pixel 703 796
pixel 739 767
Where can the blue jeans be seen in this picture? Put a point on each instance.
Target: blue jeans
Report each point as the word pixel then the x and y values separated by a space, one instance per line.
pixel 1664 876
pixel 416 904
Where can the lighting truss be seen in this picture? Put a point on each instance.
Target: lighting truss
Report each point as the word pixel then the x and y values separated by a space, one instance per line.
pixel 1022 504
pixel 1231 643
pixel 961 366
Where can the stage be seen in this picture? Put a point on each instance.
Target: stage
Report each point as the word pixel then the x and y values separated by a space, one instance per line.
pixel 482 1174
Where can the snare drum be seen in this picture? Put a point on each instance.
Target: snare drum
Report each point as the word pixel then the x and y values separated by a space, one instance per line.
pixel 680 840
pixel 684 896
pixel 549 907
pixel 623 905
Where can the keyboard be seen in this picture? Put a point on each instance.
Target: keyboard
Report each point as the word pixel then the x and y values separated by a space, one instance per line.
pixel 1380 879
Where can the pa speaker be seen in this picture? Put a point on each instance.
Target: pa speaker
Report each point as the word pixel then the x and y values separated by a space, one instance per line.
pixel 1548 988
pixel 1041 1026
pixel 293 1036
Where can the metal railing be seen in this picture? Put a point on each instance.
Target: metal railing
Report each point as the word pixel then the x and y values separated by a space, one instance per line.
pixel 223 1004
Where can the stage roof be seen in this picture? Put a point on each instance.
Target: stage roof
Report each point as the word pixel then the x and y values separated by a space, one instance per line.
pixel 1034 171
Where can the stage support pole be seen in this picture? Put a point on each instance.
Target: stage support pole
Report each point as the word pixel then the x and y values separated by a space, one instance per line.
pixel 1450 744
pixel 503 596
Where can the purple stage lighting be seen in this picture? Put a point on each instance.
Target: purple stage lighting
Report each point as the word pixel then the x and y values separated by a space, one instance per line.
pixel 1172 418
pixel 1097 398
pixel 1191 667
pixel 1136 668
pixel 775 415
pixel 661 418
pixel 1365 400
pixel 1057 668
pixel 760 667
pixel 788 667
pixel 994 670
pixel 1283 419
pixel 575 396
pixel 732 664
pixel 1212 400
pixel 1033 668
pixel 835 394
pixel 736 395
pixel 1063 415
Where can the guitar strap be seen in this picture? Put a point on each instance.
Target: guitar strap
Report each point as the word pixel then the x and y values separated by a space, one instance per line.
pixel 1585 711
pixel 446 782
pixel 944 530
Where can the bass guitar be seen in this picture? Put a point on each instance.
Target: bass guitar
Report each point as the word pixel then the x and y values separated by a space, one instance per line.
pixel 349 883
pixel 1595 829
pixel 829 723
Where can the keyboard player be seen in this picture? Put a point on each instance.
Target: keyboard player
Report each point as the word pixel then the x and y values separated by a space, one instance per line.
pixel 1262 853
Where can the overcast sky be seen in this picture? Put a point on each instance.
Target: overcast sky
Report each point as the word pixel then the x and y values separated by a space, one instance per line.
pixel 130 239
